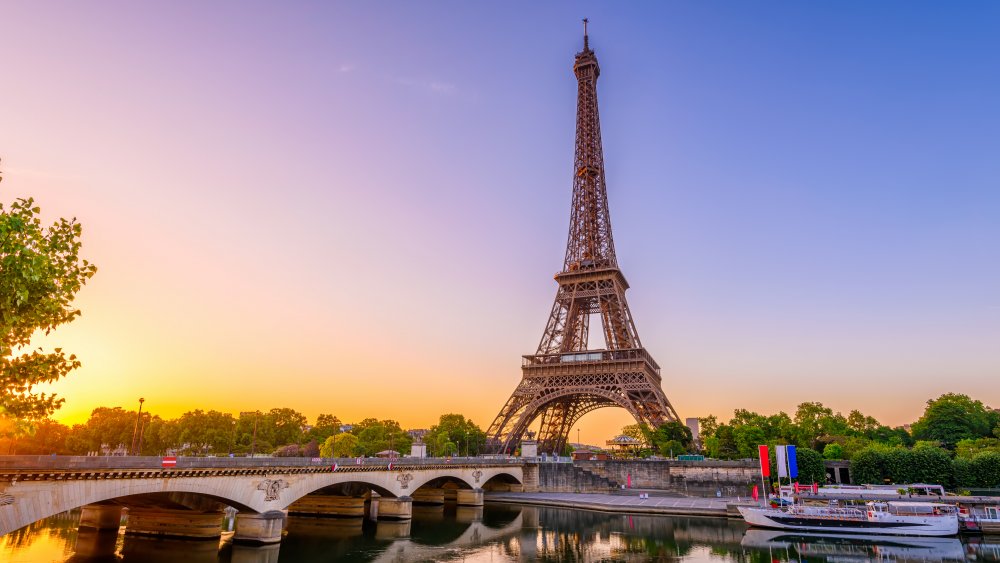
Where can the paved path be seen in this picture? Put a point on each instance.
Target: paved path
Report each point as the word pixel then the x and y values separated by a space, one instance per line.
pixel 622 503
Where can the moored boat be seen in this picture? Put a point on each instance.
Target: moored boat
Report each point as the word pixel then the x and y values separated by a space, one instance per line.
pixel 892 518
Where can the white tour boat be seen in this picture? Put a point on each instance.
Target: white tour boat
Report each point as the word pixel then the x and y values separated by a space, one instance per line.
pixel 893 518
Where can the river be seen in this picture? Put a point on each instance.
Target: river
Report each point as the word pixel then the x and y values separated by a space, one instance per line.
pixel 496 533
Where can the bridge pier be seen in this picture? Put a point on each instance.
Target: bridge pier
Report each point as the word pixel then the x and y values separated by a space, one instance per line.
pixel 260 528
pixel 101 517
pixel 399 508
pixel 426 495
pixel 329 506
pixel 469 497
pixel 172 522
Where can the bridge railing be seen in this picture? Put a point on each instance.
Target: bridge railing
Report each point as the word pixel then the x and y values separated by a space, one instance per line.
pixel 61 462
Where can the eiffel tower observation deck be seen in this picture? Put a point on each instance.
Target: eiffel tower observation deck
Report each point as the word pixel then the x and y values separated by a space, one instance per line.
pixel 565 378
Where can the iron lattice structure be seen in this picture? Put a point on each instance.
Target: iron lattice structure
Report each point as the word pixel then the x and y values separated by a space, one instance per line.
pixel 565 379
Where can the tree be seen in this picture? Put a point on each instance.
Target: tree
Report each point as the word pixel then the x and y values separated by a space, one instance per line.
pixel 207 432
pixel 106 429
pixel 671 438
pixel 455 434
pixel 380 435
pixel 340 445
pixel 810 464
pixel 326 425
pixel 953 417
pixel 40 273
pixel 707 426
pixel 833 451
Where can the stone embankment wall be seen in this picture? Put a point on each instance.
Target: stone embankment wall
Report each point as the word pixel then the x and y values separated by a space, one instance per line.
pixel 695 478
pixel 570 478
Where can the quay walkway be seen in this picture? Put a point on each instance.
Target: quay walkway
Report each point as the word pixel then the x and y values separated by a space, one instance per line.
pixel 629 504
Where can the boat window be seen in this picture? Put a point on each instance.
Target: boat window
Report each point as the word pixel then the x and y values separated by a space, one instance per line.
pixel 992 512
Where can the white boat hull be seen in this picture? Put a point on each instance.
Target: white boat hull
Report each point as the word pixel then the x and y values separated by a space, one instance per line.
pixel 882 524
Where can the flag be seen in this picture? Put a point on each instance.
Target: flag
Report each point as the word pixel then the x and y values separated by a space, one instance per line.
pixel 793 465
pixel 333 467
pixel 754 494
pixel 780 454
pixel 815 488
pixel 765 461
pixel 390 466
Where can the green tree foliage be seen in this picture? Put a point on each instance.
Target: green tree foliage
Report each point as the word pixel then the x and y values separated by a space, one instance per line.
pixel 344 444
pixel 833 451
pixel 970 448
pixel 954 417
pixel 41 437
pixel 671 438
pixel 326 425
pixel 922 464
pixel 106 428
pixel 811 468
pixel 375 436
pixel 211 432
pixel 40 273
pixel 454 434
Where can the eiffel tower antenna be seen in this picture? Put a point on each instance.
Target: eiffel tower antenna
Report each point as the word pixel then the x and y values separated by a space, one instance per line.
pixel 565 378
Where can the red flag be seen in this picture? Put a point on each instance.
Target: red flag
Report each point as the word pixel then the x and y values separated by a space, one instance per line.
pixel 333 467
pixel 754 494
pixel 390 466
pixel 815 488
pixel 796 487
pixel 765 461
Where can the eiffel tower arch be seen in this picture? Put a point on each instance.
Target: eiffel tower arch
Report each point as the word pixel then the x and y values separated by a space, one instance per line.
pixel 565 379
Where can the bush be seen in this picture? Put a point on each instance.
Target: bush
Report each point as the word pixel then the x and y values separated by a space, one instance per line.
pixel 869 466
pixel 986 469
pixel 833 451
pixel 811 468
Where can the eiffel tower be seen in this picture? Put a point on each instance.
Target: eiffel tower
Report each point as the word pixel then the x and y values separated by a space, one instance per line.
pixel 566 379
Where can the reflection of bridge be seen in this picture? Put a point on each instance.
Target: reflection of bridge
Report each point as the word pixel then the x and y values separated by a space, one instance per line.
pixel 187 500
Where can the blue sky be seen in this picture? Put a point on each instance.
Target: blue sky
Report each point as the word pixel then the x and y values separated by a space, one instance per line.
pixel 804 197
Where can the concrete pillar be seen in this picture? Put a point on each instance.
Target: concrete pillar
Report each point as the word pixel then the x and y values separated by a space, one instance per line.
pixel 328 505
pixel 530 473
pixel 101 517
pixel 176 523
pixel 400 508
pixel 426 495
pixel 392 529
pixel 371 507
pixel 260 528
pixel 469 497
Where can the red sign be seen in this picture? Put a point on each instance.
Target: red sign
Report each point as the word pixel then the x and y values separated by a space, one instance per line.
pixel 169 461
pixel 765 462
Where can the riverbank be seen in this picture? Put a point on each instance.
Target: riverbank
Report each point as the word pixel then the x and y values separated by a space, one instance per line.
pixel 669 506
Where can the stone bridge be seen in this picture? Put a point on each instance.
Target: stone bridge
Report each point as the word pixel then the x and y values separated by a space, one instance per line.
pixel 187 499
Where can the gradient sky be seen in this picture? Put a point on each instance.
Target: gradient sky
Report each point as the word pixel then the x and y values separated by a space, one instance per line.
pixel 358 208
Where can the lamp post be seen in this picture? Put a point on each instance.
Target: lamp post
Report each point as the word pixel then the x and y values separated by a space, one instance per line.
pixel 142 430
pixel 253 445
pixel 135 431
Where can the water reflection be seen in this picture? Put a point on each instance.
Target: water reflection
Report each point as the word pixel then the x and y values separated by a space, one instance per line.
pixel 496 533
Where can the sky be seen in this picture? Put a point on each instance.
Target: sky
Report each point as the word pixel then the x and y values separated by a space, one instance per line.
pixel 358 208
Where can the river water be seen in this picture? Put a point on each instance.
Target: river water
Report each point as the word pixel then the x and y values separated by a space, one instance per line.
pixel 496 533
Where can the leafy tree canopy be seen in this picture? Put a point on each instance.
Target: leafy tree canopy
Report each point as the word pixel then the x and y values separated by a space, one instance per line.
pixel 954 417
pixel 40 273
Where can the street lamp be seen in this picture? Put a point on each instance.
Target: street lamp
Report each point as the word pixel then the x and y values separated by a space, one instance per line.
pixel 135 431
